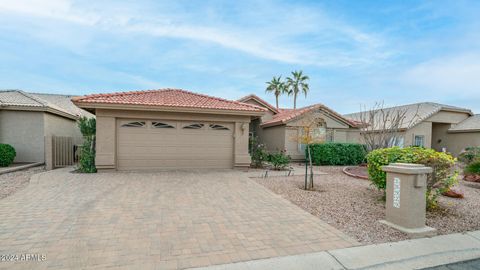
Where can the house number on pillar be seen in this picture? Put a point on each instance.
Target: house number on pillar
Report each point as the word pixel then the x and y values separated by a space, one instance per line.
pixel 396 192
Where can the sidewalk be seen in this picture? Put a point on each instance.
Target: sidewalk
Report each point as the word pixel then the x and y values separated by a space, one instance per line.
pixel 409 254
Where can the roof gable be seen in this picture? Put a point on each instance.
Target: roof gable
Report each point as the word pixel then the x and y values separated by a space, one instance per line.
pixel 170 98
pixel 287 115
pixel 259 101
pixel 61 105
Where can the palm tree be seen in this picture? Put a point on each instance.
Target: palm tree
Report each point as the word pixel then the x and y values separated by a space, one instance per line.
pixel 277 87
pixel 296 84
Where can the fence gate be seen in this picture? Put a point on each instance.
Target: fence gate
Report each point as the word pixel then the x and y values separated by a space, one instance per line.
pixel 59 152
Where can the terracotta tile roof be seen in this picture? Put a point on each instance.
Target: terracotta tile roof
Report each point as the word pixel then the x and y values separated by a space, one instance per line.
pixel 167 98
pixel 259 100
pixel 286 115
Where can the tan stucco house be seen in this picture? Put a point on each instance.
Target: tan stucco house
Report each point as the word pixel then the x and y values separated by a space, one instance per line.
pixel 279 128
pixel 26 118
pixel 432 125
pixel 169 129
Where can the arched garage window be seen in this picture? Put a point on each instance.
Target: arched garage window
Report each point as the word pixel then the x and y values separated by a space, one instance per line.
pixel 218 127
pixel 194 126
pixel 136 124
pixel 161 125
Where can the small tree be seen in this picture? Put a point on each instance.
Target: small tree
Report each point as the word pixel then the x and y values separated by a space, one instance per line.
pixel 87 150
pixel 380 126
pixel 309 134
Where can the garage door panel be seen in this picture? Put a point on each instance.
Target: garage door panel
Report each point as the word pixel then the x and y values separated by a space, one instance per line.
pixel 179 141
pixel 152 148
pixel 149 164
pixel 130 139
pixel 184 151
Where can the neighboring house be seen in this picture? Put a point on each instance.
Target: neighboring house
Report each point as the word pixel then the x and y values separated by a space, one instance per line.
pixel 26 118
pixel 278 129
pixel 433 125
pixel 169 128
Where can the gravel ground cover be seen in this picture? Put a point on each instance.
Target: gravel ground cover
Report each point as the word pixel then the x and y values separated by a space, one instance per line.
pixel 354 207
pixel 15 181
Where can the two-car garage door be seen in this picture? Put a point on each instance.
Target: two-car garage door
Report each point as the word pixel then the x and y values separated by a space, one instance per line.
pixel 165 144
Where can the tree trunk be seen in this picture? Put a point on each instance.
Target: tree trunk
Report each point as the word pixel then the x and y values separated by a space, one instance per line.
pixel 276 100
pixel 294 100
pixel 306 171
pixel 311 167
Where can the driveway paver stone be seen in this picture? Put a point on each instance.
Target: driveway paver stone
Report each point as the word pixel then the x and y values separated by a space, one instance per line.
pixel 160 220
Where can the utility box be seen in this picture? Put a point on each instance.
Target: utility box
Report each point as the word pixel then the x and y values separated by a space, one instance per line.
pixel 406 202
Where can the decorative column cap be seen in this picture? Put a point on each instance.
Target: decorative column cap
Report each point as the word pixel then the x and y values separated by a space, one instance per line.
pixel 407 168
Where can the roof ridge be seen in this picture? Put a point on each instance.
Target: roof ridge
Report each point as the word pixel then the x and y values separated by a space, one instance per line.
pixel 217 98
pixel 164 90
pixel 32 97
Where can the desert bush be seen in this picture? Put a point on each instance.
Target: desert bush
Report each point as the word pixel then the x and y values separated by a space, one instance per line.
pixel 338 153
pixel 469 154
pixel 86 163
pixel 279 160
pixel 438 182
pixel 258 152
pixel 7 155
pixel 473 167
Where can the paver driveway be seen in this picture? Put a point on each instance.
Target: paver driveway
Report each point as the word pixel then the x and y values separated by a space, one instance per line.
pixel 162 220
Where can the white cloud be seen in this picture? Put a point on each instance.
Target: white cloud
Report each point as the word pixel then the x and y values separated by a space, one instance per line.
pixel 457 75
pixel 273 40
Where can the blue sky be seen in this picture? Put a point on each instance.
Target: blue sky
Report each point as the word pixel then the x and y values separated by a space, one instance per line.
pixel 355 52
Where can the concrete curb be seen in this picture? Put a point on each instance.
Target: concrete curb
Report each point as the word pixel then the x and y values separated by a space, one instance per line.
pixel 409 254
pixel 22 167
pixel 344 170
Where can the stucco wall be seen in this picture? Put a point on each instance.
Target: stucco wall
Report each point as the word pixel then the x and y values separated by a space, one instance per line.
pixel 456 142
pixel 440 136
pixel 353 136
pixel 60 126
pixel 274 138
pixel 424 129
pixel 25 132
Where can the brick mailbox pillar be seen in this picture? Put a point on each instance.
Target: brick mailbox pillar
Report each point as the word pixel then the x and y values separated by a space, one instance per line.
pixel 406 202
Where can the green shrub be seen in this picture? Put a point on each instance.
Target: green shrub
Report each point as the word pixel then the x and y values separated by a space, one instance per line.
pixel 7 155
pixel 258 152
pixel 441 180
pixel 338 153
pixel 279 160
pixel 473 167
pixel 469 155
pixel 86 162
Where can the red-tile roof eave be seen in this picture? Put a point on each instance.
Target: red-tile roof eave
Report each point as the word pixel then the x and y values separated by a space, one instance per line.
pixel 291 114
pixel 226 105
pixel 86 105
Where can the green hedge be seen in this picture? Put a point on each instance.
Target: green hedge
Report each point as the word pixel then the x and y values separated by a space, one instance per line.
pixel 7 155
pixel 338 153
